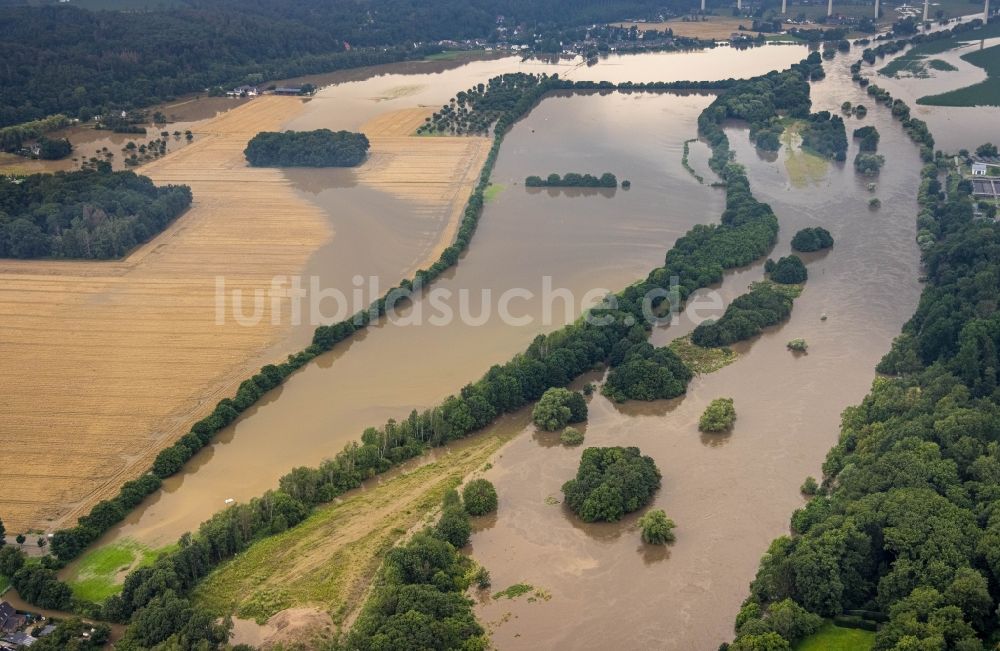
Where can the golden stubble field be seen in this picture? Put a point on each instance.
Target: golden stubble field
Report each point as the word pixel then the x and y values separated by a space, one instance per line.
pixel 427 171
pixel 105 363
pixel 716 27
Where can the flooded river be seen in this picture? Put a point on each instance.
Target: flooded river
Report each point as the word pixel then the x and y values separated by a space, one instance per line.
pixel 953 127
pixel 730 495
pixel 581 242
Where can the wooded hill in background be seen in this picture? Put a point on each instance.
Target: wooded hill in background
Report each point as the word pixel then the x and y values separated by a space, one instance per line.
pixel 64 59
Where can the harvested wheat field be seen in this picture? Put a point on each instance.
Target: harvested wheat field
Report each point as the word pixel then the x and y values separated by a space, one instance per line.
pixel 715 27
pixel 105 363
pixel 428 172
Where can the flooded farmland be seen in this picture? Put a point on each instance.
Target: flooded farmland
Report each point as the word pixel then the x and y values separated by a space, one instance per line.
pixel 729 495
pixel 581 242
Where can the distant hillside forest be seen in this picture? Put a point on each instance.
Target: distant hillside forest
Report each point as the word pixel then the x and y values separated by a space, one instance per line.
pixel 91 214
pixel 319 148
pixel 64 59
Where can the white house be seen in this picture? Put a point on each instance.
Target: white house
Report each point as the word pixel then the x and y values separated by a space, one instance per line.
pixel 979 169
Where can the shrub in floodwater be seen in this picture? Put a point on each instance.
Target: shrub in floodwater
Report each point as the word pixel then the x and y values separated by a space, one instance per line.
pixel 482 578
pixel 480 497
pixel 798 345
pixel 809 486
pixel 874 203
pixel 657 528
pixel 571 436
pixel 719 416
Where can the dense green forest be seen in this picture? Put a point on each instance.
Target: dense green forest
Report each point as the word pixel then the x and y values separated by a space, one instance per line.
pixel 88 214
pixel 63 59
pixel 34 581
pixel 558 407
pixel 319 148
pixel 759 101
pixel 868 138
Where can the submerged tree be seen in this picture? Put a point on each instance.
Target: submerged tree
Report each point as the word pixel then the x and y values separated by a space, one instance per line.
pixel 657 528
pixel 719 416
pixel 480 497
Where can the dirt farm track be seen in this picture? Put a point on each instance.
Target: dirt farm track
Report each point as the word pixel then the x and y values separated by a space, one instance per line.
pixel 105 363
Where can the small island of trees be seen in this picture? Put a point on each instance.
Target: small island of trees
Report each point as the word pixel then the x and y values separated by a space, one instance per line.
pixel 642 372
pixel 788 270
pixel 812 239
pixel 825 134
pixel 319 148
pixel 764 305
pixel 798 345
pixel 868 164
pixel 559 407
pixel 719 416
pixel 611 482
pixel 868 138
pixel 573 180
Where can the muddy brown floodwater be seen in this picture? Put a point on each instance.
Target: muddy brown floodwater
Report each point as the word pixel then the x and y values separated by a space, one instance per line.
pixel 730 495
pixel 954 127
pixel 582 242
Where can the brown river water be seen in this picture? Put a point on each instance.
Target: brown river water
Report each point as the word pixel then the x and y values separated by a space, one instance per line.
pixel 953 127
pixel 730 495
pixel 581 242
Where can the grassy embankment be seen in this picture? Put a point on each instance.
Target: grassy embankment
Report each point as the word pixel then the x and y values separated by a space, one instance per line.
pixel 835 638
pixel 99 572
pixel 329 560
